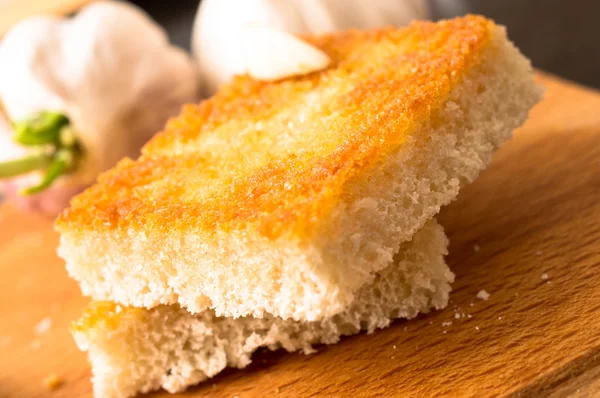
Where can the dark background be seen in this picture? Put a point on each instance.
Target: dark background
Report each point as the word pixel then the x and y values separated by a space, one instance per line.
pixel 560 36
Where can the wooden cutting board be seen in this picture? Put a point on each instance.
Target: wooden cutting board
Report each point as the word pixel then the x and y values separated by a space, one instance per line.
pixel 527 231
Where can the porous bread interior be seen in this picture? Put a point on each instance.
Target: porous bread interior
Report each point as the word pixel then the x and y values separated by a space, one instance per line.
pixel 241 274
pixel 139 350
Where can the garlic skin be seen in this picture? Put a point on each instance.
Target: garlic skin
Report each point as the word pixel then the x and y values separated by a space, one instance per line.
pixel 218 36
pixel 110 70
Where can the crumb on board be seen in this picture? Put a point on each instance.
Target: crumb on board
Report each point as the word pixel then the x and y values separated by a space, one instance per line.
pixel 459 313
pixel 43 326
pixel 448 323
pixel 394 347
pixel 476 248
pixel 52 381
pixel 471 305
pixel 469 316
pixel 499 318
pixel 483 295
pixel 538 253
pixel 477 328
pixel 545 276
pixel 445 331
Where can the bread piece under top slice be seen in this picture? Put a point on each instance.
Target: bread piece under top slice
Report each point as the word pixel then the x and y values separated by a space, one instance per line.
pixel 287 197
pixel 139 350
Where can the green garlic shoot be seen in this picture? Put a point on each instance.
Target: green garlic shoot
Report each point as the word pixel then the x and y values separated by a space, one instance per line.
pixel 54 149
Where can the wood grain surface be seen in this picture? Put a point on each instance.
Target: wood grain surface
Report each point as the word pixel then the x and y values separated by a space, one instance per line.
pixel 535 213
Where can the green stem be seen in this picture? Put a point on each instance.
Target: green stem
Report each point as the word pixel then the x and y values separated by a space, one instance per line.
pixel 27 164
pixel 61 164
pixel 41 129
pixel 56 149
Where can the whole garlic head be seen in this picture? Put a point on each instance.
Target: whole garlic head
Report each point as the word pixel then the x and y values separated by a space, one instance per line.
pixel 110 70
pixel 218 38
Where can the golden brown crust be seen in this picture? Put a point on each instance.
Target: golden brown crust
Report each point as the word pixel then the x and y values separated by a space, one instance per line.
pixel 275 156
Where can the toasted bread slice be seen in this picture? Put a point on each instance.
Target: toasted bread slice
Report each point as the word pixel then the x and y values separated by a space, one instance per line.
pixel 285 198
pixel 139 350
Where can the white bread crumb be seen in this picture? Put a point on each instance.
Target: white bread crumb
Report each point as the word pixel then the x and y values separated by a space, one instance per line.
pixel 318 274
pixel 140 350
pixel 544 276
pixel 189 351
pixel 447 323
pixel 483 295
pixel 43 326
pixel 477 328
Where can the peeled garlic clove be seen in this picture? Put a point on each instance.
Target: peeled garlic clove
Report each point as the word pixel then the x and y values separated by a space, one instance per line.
pixel 270 54
pixel 217 43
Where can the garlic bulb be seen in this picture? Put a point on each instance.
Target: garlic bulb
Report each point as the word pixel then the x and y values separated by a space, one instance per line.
pixel 219 30
pixel 109 74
